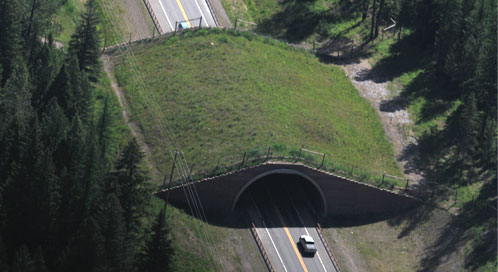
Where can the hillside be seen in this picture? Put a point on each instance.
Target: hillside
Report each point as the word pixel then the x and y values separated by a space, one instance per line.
pixel 223 93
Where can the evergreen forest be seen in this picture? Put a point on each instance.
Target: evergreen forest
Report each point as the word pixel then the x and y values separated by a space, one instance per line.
pixel 73 197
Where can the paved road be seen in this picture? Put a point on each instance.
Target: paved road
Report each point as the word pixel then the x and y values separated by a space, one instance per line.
pixel 171 12
pixel 280 220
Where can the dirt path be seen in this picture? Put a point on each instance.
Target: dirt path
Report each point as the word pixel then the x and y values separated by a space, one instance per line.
pixel 395 120
pixel 135 130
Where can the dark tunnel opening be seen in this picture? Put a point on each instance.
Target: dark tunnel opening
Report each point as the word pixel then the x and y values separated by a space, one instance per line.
pixel 283 190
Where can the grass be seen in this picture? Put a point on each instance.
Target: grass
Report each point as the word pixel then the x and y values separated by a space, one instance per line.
pixel 225 93
pixel 67 18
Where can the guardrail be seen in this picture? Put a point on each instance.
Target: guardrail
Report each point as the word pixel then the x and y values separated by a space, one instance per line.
pixel 213 14
pixel 327 247
pixel 153 16
pixel 261 247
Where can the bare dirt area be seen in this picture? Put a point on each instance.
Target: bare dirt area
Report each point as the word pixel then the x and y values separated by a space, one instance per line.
pixel 395 120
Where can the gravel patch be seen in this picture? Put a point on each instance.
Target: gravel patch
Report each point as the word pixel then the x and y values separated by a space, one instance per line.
pixel 394 118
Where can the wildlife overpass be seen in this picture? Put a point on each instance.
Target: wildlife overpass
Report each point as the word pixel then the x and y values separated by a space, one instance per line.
pixel 332 194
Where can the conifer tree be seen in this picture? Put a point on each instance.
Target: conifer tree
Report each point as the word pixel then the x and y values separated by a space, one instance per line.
pixel 85 42
pixel 132 190
pixel 10 38
pixel 87 247
pixel 23 261
pixel 468 131
pixel 159 250
pixel 104 127
pixel 116 245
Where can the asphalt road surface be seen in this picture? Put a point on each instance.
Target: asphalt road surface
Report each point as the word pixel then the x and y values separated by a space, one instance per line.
pixel 171 12
pixel 280 221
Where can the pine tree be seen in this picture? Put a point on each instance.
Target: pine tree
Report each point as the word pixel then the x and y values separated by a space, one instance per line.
pixel 105 126
pixel 23 261
pixel 43 69
pixel 159 250
pixel 10 38
pixel 36 23
pixel 15 113
pixel 132 189
pixel 55 126
pixel 116 246
pixel 468 131
pixel 85 42
pixel 87 250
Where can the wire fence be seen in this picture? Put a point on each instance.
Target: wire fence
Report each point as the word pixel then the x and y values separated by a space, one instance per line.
pixel 281 153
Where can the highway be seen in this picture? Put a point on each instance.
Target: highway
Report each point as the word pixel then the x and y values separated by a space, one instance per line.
pixel 171 12
pixel 280 218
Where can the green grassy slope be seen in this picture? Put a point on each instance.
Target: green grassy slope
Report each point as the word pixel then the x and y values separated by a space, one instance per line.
pixel 225 93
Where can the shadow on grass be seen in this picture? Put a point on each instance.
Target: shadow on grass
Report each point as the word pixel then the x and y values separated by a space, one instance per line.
pixel 299 19
pixel 475 224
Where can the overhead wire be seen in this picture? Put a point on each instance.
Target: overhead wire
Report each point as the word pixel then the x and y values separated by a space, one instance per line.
pixel 195 207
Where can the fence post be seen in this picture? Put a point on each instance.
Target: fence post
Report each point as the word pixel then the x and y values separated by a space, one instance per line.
pixel 190 172
pixel 406 186
pixel 323 161
pixel 217 165
pixel 176 23
pixel 236 19
pixel 170 181
pixel 153 32
pixel 243 160
pixel 200 22
pixel 130 39
pixel 382 183
pixel 299 156
pixel 268 154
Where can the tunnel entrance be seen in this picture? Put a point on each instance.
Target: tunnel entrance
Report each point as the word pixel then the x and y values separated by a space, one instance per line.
pixel 283 184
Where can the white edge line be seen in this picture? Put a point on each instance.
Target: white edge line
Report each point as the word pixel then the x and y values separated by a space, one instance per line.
pixel 202 14
pixel 167 18
pixel 275 247
pixel 306 229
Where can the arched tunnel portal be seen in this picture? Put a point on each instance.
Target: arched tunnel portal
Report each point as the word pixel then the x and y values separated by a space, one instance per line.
pixel 276 182
pixel 327 193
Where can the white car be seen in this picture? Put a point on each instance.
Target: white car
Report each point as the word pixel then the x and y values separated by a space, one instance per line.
pixel 307 244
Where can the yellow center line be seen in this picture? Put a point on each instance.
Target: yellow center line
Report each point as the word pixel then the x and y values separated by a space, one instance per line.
pixel 290 239
pixel 183 12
